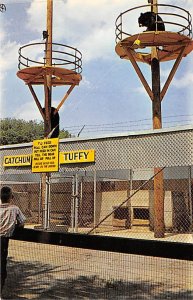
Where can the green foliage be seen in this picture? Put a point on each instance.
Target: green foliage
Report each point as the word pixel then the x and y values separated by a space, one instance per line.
pixel 64 134
pixel 16 131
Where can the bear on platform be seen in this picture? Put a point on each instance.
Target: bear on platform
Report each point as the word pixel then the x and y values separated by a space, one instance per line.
pixel 152 21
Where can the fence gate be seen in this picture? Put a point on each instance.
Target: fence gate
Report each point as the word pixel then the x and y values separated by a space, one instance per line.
pixel 70 201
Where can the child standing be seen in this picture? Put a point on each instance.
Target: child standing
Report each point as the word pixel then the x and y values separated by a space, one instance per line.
pixel 10 217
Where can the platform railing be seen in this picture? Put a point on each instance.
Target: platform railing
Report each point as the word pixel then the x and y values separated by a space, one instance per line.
pixel 33 55
pixel 179 22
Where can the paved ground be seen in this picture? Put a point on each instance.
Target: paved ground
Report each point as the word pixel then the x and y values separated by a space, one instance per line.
pixel 38 271
pixel 143 233
pixel 139 232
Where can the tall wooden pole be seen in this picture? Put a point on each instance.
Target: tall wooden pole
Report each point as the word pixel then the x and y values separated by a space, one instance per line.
pixel 47 105
pixel 48 78
pixel 157 124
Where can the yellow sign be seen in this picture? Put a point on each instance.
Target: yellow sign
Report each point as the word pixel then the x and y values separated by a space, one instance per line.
pixel 45 155
pixel 78 156
pixel 17 160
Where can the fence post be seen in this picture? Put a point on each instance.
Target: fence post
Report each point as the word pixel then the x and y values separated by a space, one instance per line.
pixel 76 199
pixel 46 205
pixel 49 201
pixel 72 204
pixel 39 203
pixel 95 205
pixel 190 196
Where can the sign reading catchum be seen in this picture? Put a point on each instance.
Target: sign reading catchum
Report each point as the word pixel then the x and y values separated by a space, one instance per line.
pixel 17 160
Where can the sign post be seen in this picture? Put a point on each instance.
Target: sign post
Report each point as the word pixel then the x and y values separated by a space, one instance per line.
pixel 45 160
pixel 48 98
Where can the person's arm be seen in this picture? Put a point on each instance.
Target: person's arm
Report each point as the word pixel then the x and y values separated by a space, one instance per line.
pixel 20 219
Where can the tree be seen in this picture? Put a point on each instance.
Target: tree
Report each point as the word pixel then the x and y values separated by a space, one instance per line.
pixel 16 131
pixel 64 134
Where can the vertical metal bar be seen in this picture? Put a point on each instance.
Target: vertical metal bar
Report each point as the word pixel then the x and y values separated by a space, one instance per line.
pixel 130 191
pixel 81 198
pixel 46 206
pixel 121 27
pixel 76 203
pixel 49 201
pixel 81 190
pixel 190 196
pixel 75 61
pixel 131 180
pixel 128 203
pixel 39 201
pixel 43 196
pixel 95 204
pixel 72 204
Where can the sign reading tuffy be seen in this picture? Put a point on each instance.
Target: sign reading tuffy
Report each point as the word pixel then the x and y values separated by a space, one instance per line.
pixel 45 155
pixel 77 156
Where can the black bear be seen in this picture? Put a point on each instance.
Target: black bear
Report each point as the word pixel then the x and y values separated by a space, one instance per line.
pixel 152 21
pixel 55 119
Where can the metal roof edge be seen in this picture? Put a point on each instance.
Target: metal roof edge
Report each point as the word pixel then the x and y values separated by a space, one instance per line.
pixel 105 136
pixel 16 146
pixel 127 134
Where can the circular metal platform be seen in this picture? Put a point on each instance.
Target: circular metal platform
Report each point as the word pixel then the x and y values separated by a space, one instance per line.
pixel 60 76
pixel 169 45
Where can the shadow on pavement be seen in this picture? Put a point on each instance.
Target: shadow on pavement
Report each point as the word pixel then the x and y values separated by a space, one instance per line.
pixel 27 280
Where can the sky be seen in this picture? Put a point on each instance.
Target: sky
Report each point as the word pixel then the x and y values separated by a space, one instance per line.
pixel 110 97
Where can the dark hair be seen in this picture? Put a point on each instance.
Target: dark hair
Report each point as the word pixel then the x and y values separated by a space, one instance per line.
pixel 6 194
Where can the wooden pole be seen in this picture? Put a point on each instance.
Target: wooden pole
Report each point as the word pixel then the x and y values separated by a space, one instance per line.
pixel 157 124
pixel 48 78
pixel 156 103
pixel 47 105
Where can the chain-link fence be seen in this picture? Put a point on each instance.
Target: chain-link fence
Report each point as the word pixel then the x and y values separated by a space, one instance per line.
pixel 119 193
pixel 45 271
pixel 113 201
pixel 95 227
